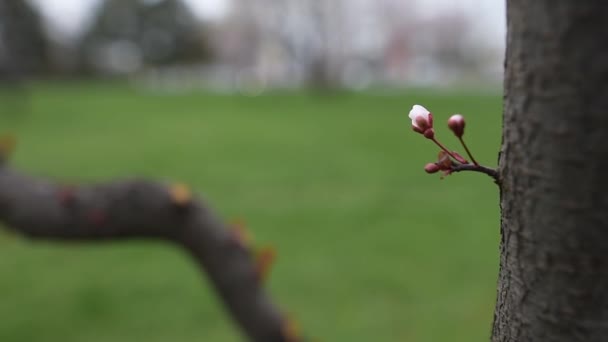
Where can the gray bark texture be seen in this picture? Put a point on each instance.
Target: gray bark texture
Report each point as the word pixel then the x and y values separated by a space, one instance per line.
pixel 553 282
pixel 146 210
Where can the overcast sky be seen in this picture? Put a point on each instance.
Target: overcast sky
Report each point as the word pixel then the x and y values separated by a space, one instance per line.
pixel 488 16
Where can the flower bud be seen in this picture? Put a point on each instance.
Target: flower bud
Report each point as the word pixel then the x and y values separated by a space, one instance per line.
pixel 422 119
pixel 429 133
pixel 443 161
pixel 417 129
pixel 459 158
pixel 456 124
pixel 431 168
pixel 422 123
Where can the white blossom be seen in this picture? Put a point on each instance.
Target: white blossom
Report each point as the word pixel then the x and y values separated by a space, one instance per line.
pixel 420 112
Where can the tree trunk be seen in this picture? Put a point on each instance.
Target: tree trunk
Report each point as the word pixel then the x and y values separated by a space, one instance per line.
pixel 553 283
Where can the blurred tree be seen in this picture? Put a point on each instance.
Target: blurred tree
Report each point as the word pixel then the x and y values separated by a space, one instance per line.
pixel 23 44
pixel 554 248
pixel 302 41
pixel 130 34
pixel 24 52
pixel 452 46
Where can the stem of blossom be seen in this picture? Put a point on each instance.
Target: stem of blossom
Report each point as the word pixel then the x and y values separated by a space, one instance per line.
pixel 444 148
pixel 468 152
pixel 477 168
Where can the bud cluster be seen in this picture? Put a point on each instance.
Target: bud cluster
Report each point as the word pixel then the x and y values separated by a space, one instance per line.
pixel 447 161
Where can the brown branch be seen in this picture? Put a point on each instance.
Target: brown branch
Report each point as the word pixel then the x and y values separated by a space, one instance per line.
pixel 143 209
pixel 476 168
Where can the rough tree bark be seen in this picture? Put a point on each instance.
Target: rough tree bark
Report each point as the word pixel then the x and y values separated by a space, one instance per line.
pixel 553 283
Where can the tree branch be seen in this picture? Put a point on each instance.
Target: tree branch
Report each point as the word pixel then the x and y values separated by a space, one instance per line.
pixel 476 168
pixel 143 209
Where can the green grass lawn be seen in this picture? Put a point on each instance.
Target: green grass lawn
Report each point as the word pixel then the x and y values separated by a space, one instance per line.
pixel 370 247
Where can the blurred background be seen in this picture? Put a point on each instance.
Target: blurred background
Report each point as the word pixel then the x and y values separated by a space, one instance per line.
pixel 288 114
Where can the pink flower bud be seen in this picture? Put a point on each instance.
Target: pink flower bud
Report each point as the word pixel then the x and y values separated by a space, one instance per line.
pixel 429 133
pixel 459 158
pixel 443 161
pixel 456 124
pixel 417 129
pixel 422 120
pixel 431 168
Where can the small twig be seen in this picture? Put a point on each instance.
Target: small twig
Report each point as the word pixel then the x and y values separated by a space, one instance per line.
pixel 476 168
pixel 466 148
pixel 441 146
